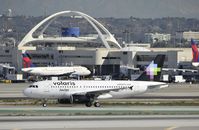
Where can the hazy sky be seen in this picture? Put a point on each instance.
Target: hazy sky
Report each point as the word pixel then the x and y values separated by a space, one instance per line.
pixel 105 8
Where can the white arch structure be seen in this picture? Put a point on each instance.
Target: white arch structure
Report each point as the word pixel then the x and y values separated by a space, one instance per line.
pixel 106 39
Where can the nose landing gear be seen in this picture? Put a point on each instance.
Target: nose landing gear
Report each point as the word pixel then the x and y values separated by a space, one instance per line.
pixel 97 104
pixel 44 103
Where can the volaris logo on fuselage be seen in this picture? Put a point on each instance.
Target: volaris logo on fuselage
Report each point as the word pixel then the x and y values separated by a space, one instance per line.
pixel 63 83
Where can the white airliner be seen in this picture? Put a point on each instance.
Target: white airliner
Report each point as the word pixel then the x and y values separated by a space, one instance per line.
pixel 88 92
pixel 57 71
pixel 30 68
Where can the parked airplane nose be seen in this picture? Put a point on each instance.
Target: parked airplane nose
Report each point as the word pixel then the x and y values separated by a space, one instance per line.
pixel 24 69
pixel 88 72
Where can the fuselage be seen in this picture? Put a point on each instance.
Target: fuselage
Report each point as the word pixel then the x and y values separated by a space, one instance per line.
pixel 109 89
pixel 48 71
pixel 195 64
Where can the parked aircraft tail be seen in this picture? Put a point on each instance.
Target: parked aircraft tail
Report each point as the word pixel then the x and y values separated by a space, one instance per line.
pixel 27 60
pixel 195 51
pixel 153 70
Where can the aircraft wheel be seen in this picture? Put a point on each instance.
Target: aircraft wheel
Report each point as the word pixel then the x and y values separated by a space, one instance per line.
pixel 97 104
pixel 44 105
pixel 88 104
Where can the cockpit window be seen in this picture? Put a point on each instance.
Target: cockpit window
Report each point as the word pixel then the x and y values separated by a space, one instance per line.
pixel 33 86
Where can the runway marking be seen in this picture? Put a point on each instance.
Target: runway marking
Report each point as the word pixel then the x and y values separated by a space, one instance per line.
pixel 171 128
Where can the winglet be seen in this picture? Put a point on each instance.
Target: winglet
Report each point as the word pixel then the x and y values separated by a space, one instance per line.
pixel 153 70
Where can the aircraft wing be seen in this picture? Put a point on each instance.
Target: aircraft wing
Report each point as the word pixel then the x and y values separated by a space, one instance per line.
pixel 96 93
pixel 59 74
pixel 65 74
pixel 152 87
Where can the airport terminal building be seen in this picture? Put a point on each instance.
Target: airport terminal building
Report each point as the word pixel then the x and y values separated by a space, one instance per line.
pixel 100 53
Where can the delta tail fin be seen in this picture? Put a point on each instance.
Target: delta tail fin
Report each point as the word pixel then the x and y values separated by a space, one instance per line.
pixel 195 51
pixel 153 70
pixel 27 62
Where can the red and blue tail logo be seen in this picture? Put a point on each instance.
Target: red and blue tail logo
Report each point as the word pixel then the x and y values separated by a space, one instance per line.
pixel 195 51
pixel 27 61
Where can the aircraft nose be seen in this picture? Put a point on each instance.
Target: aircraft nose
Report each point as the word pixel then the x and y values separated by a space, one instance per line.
pixel 27 92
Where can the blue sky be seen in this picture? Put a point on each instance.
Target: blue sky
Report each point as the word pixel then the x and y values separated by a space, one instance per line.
pixel 105 8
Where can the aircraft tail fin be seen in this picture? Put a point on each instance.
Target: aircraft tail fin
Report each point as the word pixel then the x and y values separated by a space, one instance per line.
pixel 153 70
pixel 195 51
pixel 27 62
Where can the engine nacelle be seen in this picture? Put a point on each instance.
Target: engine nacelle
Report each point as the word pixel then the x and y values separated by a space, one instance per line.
pixel 140 89
pixel 74 99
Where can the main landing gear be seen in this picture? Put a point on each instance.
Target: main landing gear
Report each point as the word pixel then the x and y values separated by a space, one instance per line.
pixel 44 103
pixel 96 104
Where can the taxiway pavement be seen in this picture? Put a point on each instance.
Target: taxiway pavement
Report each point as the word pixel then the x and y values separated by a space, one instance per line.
pixel 13 110
pixel 159 122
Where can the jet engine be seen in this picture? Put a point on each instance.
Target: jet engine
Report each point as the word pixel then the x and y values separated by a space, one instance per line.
pixel 74 99
pixel 139 89
pixel 64 101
